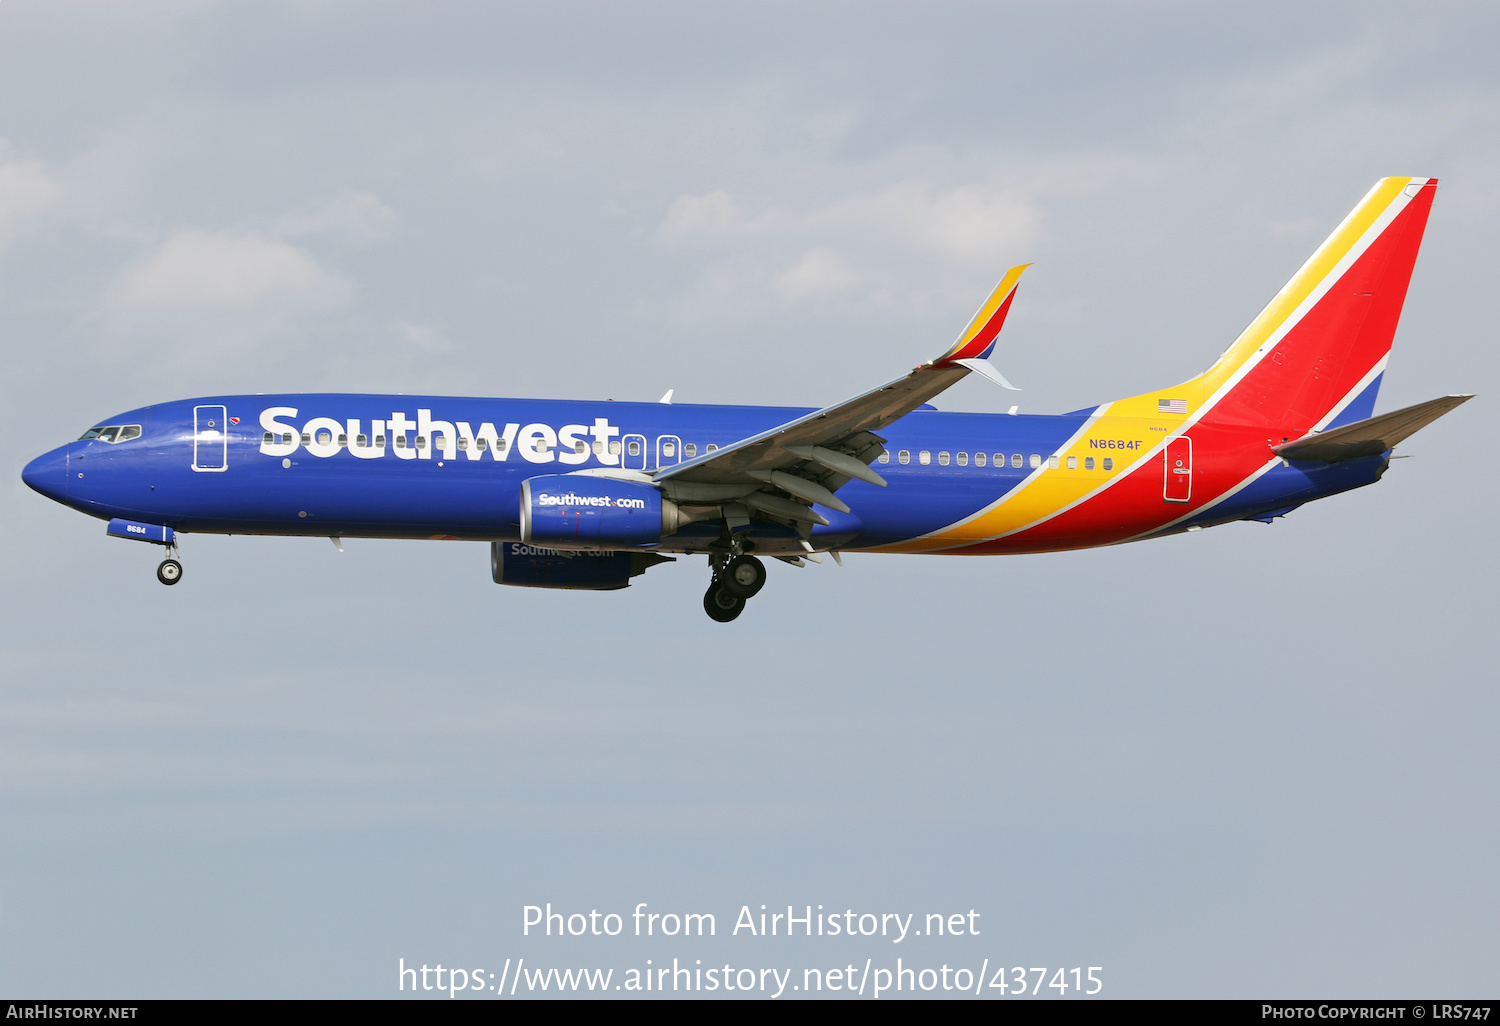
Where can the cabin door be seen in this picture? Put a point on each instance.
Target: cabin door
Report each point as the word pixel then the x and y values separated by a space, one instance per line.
pixel 1178 486
pixel 210 439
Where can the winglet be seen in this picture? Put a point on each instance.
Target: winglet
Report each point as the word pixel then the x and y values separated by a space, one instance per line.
pixel 976 340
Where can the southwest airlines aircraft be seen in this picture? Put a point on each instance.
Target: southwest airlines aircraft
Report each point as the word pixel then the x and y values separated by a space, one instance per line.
pixel 587 495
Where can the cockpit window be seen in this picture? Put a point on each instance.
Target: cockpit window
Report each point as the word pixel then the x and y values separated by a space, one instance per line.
pixel 112 433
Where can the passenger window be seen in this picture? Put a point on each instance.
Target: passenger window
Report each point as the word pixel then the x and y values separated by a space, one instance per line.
pixel 343 440
pixel 614 448
pixel 400 441
pixel 979 459
pixel 963 459
pixel 463 444
pixel 711 447
pixel 1072 462
pixel 904 457
pixel 501 445
pixel 1088 463
pixel 130 431
pixel 690 449
pixel 362 441
pixel 598 447
pixel 635 448
pixel 306 438
pixel 884 457
pixel 1036 461
pixel 1109 463
pixel 380 441
pixel 669 449
pixel 1052 462
pixel 481 444
pixel 286 439
pixel 324 437
pixel 943 458
pixel 924 457
pixel 579 448
pixel 1015 460
pixel 267 439
pixel 421 441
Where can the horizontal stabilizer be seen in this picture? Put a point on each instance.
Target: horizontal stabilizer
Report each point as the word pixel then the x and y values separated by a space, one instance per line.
pixel 1369 437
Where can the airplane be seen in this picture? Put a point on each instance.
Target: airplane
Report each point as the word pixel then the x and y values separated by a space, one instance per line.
pixel 588 495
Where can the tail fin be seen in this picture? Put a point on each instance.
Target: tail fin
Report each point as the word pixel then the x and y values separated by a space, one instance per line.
pixel 1314 356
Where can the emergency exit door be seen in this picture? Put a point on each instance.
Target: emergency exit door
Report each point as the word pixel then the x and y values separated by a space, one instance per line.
pixel 1178 486
pixel 635 455
pixel 668 451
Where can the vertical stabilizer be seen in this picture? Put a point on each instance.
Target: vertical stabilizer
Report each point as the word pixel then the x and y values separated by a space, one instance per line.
pixel 1319 347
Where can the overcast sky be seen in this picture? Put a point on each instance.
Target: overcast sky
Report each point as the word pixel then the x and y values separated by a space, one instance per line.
pixel 1253 761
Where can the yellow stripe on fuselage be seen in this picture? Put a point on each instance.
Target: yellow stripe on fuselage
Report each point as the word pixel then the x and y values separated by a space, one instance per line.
pixel 1049 491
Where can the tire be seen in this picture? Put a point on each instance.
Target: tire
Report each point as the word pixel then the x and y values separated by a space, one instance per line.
pixel 743 576
pixel 170 571
pixel 721 604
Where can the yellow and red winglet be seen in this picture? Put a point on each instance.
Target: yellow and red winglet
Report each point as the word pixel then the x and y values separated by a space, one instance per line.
pixel 976 340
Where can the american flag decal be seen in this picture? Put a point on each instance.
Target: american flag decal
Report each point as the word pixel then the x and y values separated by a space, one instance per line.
pixel 1171 406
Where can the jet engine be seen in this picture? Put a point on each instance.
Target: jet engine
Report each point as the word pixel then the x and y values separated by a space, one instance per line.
pixel 578 511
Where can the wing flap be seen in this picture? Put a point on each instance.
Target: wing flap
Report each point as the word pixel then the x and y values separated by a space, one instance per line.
pixel 1369 437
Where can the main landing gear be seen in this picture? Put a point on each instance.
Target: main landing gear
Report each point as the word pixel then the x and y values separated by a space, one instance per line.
pixel 169 572
pixel 735 580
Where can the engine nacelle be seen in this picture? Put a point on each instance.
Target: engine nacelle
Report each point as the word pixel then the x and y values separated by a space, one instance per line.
pixel 527 566
pixel 577 511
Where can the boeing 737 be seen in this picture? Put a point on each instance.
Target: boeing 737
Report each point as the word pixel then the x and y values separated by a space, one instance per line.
pixel 587 495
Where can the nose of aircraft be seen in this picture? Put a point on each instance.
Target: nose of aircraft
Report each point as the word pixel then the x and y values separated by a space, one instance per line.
pixel 48 474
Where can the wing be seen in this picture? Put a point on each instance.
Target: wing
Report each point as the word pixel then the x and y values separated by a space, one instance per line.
pixel 811 457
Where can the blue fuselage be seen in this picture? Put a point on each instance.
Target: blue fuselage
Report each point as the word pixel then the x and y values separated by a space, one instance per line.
pixel 424 467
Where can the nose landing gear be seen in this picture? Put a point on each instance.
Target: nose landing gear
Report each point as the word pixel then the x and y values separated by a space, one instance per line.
pixel 169 572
